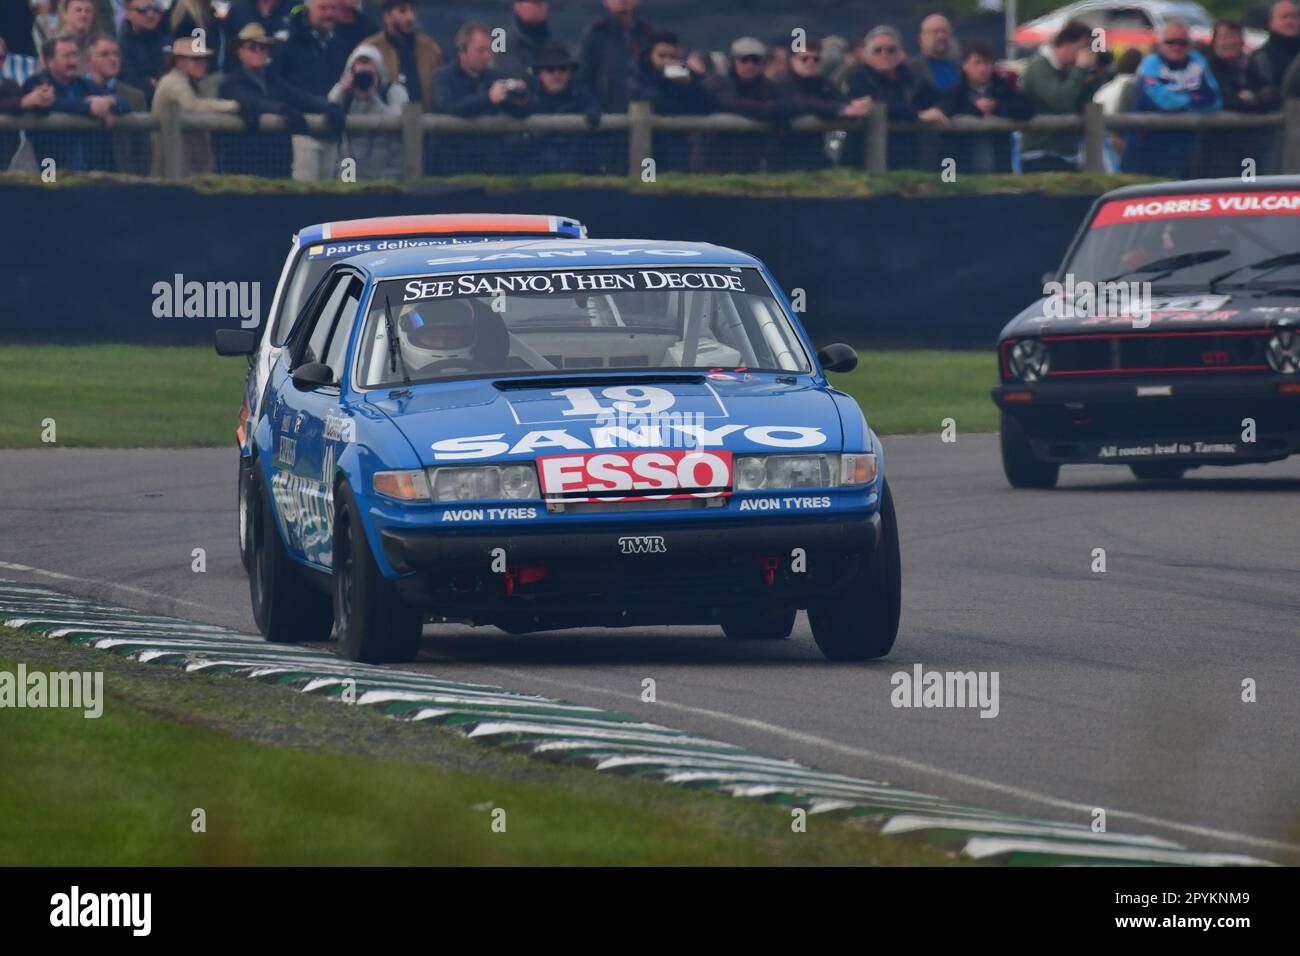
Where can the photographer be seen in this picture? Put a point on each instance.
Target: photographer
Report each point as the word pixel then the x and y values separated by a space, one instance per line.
pixel 468 86
pixel 365 90
pixel 668 83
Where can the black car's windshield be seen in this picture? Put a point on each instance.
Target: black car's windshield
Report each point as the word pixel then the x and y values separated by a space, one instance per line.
pixel 1183 242
pixel 643 319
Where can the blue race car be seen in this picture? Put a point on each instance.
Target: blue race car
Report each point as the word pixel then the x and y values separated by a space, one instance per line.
pixel 539 434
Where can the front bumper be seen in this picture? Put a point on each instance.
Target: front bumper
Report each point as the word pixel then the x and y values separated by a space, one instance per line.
pixel 642 573
pixel 1148 418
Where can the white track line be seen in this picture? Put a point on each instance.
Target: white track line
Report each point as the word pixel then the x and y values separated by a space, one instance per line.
pixel 1021 793
pixel 56 576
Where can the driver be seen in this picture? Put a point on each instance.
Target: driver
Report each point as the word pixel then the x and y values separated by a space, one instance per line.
pixel 443 335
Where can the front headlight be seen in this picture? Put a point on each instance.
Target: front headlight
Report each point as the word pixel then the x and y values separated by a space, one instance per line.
pixel 1028 360
pixel 402 485
pixel 484 483
pixel 772 472
pixel 1284 352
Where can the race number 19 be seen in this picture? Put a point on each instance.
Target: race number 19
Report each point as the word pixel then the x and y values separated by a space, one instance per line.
pixel 629 399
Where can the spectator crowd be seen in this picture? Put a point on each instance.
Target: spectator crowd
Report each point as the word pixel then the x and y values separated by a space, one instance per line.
pixel 106 59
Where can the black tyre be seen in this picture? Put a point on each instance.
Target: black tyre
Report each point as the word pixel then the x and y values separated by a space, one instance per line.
pixel 759 624
pixel 1159 470
pixel 287 607
pixel 860 621
pixel 247 506
pixel 374 624
pixel 1022 468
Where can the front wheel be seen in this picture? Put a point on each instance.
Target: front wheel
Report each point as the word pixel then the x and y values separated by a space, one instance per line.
pixel 1021 466
pixel 288 609
pixel 375 625
pixel 247 505
pixel 1159 470
pixel 860 621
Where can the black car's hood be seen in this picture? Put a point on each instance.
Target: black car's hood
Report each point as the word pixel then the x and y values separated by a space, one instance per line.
pixel 1185 311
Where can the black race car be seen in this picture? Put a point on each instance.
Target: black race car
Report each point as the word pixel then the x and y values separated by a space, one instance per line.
pixel 1167 339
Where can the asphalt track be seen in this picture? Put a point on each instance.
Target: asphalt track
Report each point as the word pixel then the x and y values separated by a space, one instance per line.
pixel 1119 691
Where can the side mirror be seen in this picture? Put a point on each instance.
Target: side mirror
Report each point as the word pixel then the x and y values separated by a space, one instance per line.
pixel 838 358
pixel 236 342
pixel 312 375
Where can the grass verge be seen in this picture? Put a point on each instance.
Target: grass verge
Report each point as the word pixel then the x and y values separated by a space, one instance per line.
pixel 282 780
pixel 136 396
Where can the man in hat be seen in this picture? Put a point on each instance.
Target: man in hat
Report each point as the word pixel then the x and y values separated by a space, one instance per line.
pixel 260 91
pixel 410 57
pixel 551 86
pixel 273 15
pixel 179 89
pixel 745 89
pixel 553 90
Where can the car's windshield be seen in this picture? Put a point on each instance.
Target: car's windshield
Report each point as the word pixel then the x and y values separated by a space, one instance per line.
pixel 313 260
pixel 1181 242
pixel 651 318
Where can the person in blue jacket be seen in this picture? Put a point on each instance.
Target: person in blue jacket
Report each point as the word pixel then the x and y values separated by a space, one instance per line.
pixel 1174 79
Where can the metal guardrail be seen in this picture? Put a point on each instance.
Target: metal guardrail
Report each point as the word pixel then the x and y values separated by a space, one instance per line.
pixel 641 124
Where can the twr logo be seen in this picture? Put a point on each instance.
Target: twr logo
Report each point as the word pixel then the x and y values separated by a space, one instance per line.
pixel 643 544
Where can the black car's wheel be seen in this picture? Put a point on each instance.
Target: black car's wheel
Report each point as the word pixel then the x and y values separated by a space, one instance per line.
pixel 860 621
pixel 759 624
pixel 374 624
pixel 286 606
pixel 247 505
pixel 1022 468
pixel 1159 470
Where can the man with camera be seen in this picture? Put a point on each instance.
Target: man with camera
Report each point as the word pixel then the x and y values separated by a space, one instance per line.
pixel 468 86
pixel 364 89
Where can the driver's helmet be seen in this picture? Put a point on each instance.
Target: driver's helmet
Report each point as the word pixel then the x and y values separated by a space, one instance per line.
pixel 436 330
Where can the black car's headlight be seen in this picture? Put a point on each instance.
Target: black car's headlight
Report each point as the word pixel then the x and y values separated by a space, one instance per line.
pixel 1028 360
pixel 773 472
pixel 1283 352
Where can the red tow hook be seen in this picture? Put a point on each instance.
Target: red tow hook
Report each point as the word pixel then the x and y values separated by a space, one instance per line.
pixel 768 566
pixel 529 575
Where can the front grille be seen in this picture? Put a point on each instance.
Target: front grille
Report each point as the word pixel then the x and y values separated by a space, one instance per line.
pixel 1136 353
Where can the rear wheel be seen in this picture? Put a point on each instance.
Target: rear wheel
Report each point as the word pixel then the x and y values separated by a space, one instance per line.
pixel 286 606
pixel 860 621
pixel 760 624
pixel 1022 467
pixel 374 624
pixel 1159 470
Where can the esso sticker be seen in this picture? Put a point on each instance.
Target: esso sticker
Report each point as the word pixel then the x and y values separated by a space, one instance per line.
pixel 636 475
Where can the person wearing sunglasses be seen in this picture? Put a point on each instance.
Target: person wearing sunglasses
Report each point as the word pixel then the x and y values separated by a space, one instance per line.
pixel 745 89
pixel 144 44
pixel 1172 79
